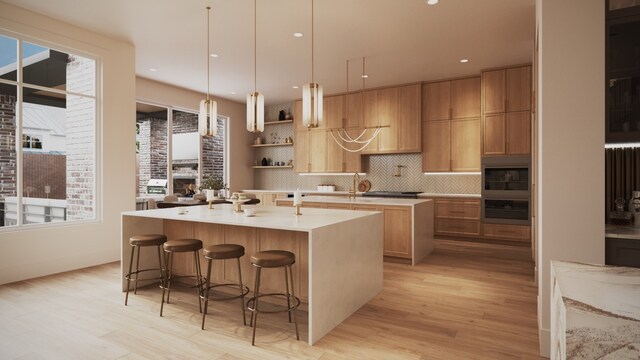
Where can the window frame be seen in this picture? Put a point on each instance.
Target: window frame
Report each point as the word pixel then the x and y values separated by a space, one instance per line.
pixel 97 129
pixel 170 109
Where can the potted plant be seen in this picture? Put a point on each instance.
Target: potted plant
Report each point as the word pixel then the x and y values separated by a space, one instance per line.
pixel 213 183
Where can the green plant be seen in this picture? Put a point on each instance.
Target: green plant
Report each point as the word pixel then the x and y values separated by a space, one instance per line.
pixel 212 182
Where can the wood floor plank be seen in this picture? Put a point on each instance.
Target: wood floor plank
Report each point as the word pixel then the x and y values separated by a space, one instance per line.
pixel 464 301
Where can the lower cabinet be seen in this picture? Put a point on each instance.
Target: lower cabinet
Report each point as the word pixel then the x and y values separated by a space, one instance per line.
pixel 398 224
pixel 507 232
pixel 397 231
pixel 269 199
pixel 457 217
pixel 622 252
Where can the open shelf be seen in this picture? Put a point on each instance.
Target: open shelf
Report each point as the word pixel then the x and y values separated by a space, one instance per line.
pixel 269 145
pixel 277 122
pixel 274 167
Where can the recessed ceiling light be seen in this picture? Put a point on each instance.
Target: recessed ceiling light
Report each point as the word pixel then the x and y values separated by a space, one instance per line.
pixel 432 2
pixel 233 93
pixel 365 76
pixel 298 34
pixel 295 86
pixel 214 55
pixel 464 61
pixel 153 69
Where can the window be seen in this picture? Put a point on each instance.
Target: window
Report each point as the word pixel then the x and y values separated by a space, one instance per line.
pixel 192 158
pixel 48 148
pixel 31 142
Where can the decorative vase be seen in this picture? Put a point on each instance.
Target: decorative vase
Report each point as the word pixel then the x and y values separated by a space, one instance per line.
pixel 282 115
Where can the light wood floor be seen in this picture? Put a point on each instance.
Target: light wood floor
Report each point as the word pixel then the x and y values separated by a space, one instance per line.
pixel 466 301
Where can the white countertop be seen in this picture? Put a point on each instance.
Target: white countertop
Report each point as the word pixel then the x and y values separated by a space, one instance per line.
pixel 269 217
pixel 434 195
pixel 329 193
pixel 602 310
pixel 359 200
pixel 622 232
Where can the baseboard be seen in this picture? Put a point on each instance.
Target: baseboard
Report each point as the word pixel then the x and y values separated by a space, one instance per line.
pixel 544 336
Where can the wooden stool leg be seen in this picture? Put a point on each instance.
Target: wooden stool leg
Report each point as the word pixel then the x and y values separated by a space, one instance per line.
pixel 244 317
pixel 286 282
pixel 168 261
pixel 162 270
pixel 293 294
pixel 198 278
pixel 126 297
pixel 135 288
pixel 254 316
pixel 206 296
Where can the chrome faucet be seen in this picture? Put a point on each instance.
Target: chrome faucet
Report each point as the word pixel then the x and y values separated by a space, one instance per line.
pixel 356 180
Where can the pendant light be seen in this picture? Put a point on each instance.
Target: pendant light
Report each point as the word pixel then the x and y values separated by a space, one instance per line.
pixel 208 115
pixel 255 100
pixel 312 94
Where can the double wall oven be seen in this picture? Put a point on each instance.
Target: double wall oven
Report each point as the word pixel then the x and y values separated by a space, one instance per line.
pixel 506 190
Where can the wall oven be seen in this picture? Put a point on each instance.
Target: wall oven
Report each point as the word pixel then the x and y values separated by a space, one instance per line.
pixel 506 190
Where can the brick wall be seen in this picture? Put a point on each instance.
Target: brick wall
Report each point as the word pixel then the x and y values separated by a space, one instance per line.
pixel 159 149
pixel 7 145
pixel 41 170
pixel 213 153
pixel 184 122
pixel 143 137
pixel 152 154
pixel 80 131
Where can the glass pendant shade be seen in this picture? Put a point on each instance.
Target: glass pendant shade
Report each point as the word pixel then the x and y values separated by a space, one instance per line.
pixel 312 105
pixel 207 118
pixel 255 112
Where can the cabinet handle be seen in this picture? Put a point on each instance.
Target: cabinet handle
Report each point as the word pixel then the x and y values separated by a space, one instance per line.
pixel 506 104
pixel 450 113
pixel 456 212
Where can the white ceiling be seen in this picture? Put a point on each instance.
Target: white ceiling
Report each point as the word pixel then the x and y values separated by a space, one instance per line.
pixel 404 40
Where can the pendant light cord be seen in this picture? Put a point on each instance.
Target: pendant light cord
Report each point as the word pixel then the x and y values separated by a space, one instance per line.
pixel 312 35
pixel 208 62
pixel 255 51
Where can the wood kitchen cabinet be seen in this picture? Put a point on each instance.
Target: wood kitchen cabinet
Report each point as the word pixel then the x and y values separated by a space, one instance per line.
pixel 315 151
pixel 397 231
pixel 399 109
pixel 520 233
pixel 397 224
pixel 268 198
pixel 457 217
pixel 451 127
pixel 301 162
pixel 506 108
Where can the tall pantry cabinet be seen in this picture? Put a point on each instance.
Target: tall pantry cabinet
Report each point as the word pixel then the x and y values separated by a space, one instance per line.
pixel 506 111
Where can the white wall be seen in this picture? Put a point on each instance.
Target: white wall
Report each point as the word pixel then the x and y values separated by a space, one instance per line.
pixel 240 153
pixel 38 251
pixel 571 140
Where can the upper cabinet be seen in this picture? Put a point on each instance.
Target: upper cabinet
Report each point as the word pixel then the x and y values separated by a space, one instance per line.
pixel 451 125
pixel 398 110
pixel 506 111
pixel 315 150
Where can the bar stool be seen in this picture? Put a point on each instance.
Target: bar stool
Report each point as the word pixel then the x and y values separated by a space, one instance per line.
pixel 138 242
pixel 181 246
pixel 223 252
pixel 273 259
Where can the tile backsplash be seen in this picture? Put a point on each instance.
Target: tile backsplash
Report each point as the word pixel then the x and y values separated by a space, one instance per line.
pixel 380 169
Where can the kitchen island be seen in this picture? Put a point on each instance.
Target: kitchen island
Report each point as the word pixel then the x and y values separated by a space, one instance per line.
pixel 595 311
pixel 408 223
pixel 338 255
